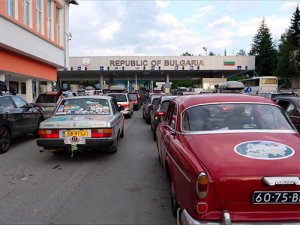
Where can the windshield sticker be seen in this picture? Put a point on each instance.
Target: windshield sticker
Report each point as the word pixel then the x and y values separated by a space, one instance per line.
pixel 265 150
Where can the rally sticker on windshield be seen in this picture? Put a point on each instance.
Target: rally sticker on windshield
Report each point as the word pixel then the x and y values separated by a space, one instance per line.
pixel 265 150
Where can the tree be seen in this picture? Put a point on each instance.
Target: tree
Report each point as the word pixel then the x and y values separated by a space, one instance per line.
pixel 295 40
pixel 284 69
pixel 264 50
pixel 211 54
pixel 241 52
pixel 186 54
pixel 288 65
pixel 295 29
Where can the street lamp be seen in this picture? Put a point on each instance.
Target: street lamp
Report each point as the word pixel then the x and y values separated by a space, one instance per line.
pixel 205 49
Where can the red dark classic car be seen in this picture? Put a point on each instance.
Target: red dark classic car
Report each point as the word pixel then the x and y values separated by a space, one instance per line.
pixel 230 159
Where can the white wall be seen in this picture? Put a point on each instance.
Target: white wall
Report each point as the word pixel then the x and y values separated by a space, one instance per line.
pixel 24 41
pixel 165 62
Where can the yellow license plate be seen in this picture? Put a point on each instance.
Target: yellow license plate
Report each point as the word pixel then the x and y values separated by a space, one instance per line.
pixel 78 133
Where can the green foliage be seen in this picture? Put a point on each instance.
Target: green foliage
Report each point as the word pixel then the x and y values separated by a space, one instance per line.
pixel 241 52
pixel 295 29
pixel 182 83
pixel 284 69
pixel 264 50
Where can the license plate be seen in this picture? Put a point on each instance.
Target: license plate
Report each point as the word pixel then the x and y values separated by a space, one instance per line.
pixel 77 133
pixel 74 140
pixel 276 197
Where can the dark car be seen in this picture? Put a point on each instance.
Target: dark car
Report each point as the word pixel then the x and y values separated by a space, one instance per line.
pixel 17 118
pixel 291 104
pixel 149 105
pixel 272 96
pixel 47 102
pixel 136 100
pixel 159 111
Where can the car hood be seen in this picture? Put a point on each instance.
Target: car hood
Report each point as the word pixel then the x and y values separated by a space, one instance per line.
pixel 237 162
pixel 78 121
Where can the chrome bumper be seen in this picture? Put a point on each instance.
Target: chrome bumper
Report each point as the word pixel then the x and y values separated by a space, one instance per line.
pixel 184 218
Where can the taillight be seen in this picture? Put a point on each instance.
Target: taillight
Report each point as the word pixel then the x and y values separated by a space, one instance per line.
pixel 202 185
pixel 125 105
pixel 160 114
pixel 48 133
pixel 135 102
pixel 101 133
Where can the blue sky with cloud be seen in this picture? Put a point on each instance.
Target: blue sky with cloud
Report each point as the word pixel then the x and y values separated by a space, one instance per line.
pixel 170 28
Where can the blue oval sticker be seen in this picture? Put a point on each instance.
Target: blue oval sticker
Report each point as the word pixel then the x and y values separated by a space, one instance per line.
pixel 266 150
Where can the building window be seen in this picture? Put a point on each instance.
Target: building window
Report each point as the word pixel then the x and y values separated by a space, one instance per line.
pixel 26 12
pixel 49 19
pixel 14 87
pixel 39 18
pixel 11 8
pixel 23 88
pixel 58 25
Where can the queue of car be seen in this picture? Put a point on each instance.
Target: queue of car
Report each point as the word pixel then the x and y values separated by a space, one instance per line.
pixel 229 158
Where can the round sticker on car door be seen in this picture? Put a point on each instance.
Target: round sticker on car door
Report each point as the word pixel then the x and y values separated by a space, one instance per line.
pixel 265 150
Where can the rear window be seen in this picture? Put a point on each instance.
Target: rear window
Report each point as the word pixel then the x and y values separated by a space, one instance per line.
pixel 44 98
pixel 235 116
pixel 83 106
pixel 164 105
pixel 119 97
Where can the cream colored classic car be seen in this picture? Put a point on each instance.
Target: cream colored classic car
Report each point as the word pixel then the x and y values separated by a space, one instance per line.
pixel 83 122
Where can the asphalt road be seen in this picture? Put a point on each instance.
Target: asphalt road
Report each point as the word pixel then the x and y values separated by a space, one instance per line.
pixel 128 187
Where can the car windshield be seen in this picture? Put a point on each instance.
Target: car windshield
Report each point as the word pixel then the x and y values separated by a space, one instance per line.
pixel 235 116
pixel 119 97
pixel 81 106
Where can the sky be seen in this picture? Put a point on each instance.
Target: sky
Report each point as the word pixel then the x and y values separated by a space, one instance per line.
pixel 171 28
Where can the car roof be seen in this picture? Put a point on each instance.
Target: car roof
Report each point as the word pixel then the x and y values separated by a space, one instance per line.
pixel 190 100
pixel 168 97
pixel 92 96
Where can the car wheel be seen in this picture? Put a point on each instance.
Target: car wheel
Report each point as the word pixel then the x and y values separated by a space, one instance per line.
pixel 154 135
pixel 122 133
pixel 129 115
pixel 114 148
pixel 4 139
pixel 174 203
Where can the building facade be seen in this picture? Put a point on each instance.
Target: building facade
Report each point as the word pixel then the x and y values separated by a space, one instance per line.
pixel 131 70
pixel 33 43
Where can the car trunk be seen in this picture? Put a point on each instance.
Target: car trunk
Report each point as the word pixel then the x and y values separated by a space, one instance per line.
pixel 76 122
pixel 237 176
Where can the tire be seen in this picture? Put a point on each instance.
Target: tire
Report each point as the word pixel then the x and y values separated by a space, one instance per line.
pixel 5 139
pixel 114 148
pixel 174 203
pixel 129 115
pixel 154 135
pixel 122 133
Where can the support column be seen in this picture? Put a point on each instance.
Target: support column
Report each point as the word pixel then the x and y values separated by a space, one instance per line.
pixel 49 86
pixel 37 88
pixel 29 97
pixel 136 85
pixel 2 77
pixel 167 84
pixel 101 82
